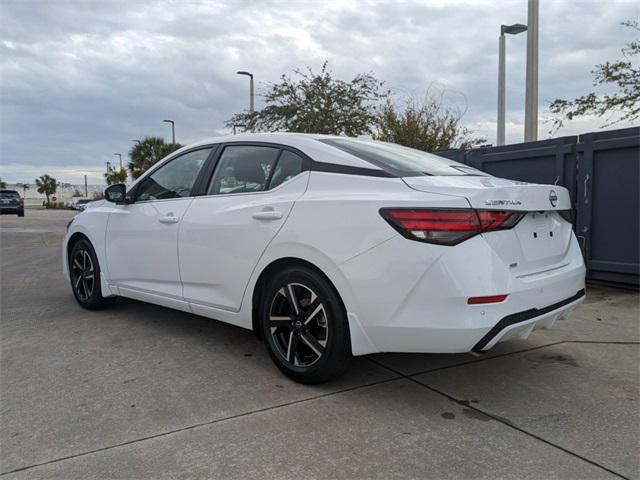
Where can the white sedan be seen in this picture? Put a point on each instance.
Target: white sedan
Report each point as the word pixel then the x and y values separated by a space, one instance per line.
pixel 329 247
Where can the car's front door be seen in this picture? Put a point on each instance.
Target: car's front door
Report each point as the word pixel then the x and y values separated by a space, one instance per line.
pixel 225 231
pixel 142 237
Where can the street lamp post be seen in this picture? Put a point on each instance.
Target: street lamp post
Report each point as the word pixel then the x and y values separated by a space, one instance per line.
pixel 173 130
pixel 531 94
pixel 512 30
pixel 108 166
pixel 251 95
pixel 120 157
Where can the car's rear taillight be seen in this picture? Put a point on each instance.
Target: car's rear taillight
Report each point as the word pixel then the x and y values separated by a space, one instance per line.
pixel 447 227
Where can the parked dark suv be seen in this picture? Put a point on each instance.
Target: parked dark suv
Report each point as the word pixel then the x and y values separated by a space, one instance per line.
pixel 10 202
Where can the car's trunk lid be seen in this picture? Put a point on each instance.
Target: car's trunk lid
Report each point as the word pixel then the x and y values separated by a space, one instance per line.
pixel 540 240
pixel 495 193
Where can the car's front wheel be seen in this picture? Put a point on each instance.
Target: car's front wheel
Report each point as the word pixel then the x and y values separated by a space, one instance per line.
pixel 304 325
pixel 84 271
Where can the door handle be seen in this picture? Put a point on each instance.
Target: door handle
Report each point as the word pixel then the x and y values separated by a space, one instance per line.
pixel 268 214
pixel 169 219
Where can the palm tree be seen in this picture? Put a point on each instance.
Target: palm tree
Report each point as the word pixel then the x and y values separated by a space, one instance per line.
pixel 3 184
pixel 47 185
pixel 25 187
pixel 148 152
pixel 116 175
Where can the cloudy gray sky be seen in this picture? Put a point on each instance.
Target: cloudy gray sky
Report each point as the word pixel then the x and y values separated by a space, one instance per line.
pixel 80 79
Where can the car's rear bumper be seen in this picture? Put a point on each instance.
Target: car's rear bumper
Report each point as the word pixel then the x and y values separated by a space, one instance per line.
pixel 11 209
pixel 407 298
pixel 521 324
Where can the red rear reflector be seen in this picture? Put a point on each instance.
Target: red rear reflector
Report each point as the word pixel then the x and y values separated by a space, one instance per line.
pixel 489 299
pixel 447 227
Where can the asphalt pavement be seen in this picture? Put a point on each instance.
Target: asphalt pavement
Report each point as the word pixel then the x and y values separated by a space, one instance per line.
pixel 140 391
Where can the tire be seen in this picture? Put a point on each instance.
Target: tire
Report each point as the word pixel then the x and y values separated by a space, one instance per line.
pixel 84 271
pixel 21 213
pixel 305 326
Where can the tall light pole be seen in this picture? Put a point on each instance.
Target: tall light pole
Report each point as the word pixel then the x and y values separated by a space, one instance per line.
pixel 108 166
pixel 531 95
pixel 120 156
pixel 512 30
pixel 251 95
pixel 173 130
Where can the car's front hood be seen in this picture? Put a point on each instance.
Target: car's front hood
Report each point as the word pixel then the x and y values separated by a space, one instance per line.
pixel 94 204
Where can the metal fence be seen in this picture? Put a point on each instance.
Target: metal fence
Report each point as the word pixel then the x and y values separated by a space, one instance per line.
pixel 601 170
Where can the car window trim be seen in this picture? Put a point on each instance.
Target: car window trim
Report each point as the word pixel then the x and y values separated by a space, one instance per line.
pixel 267 185
pixel 133 191
pixel 258 192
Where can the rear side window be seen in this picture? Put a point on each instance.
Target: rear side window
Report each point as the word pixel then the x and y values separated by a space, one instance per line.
pixel 243 169
pixel 174 179
pixel 289 165
pixel 9 194
pixel 400 161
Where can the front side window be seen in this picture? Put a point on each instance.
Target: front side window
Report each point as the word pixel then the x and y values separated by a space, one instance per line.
pixel 400 161
pixel 174 179
pixel 243 169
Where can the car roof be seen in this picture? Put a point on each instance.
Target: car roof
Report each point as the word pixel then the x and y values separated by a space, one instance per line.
pixel 305 142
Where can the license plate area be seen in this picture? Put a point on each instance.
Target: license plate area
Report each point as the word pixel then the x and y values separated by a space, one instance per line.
pixel 542 235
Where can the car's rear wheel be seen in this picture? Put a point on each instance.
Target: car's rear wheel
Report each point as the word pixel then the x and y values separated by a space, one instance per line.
pixel 21 213
pixel 84 271
pixel 304 325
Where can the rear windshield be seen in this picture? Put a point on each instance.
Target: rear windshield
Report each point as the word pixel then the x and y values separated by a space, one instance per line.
pixel 400 161
pixel 9 194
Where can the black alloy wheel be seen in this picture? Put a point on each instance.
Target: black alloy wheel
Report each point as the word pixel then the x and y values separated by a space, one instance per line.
pixel 305 326
pixel 84 271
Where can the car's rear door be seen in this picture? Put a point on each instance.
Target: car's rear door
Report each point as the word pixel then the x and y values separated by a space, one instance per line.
pixel 142 237
pixel 224 232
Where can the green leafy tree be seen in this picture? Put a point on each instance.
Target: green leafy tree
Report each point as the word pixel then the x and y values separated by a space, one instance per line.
pixel 116 175
pixel 47 185
pixel 426 124
pixel 147 153
pixel 3 184
pixel 622 75
pixel 317 103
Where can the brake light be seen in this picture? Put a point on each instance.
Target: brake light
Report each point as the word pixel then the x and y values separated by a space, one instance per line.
pixel 447 227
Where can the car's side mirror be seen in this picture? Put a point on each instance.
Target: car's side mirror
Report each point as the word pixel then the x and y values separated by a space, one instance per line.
pixel 116 193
